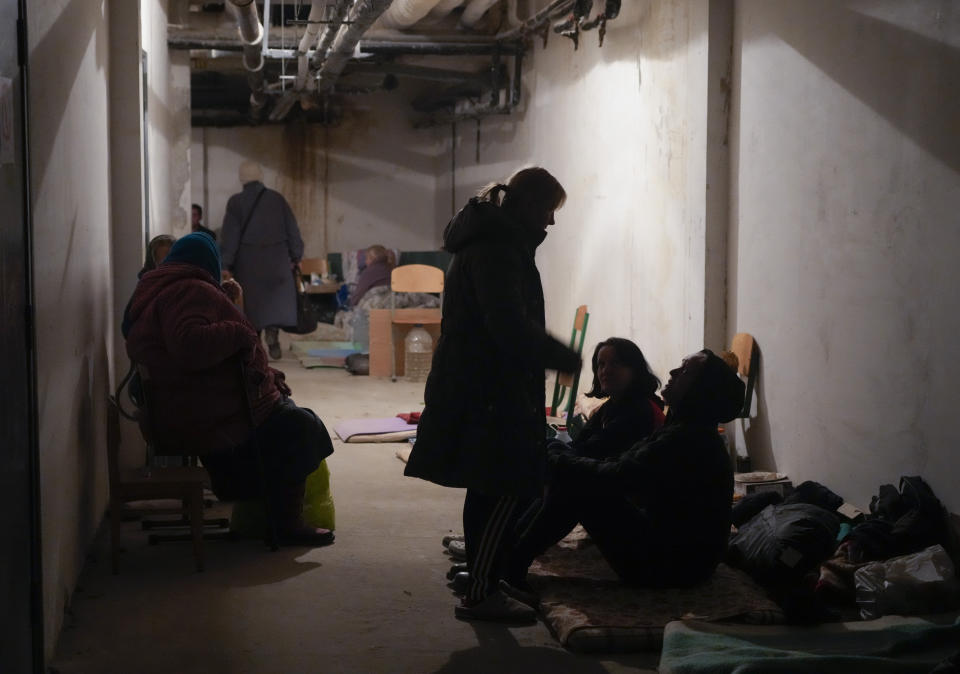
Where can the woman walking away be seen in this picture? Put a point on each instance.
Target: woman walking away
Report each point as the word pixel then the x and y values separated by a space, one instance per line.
pixel 483 424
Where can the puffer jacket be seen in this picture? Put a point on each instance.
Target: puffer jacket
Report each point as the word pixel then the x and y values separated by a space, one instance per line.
pixel 483 423
pixel 184 329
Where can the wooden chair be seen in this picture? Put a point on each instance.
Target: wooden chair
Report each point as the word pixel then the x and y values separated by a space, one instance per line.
pixel 412 278
pixel 567 380
pixel 314 265
pixel 747 353
pixel 183 483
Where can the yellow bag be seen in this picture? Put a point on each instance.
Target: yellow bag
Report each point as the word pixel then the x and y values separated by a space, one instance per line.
pixel 249 521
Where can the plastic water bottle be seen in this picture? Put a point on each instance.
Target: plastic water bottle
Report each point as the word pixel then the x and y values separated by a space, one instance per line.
pixel 562 435
pixel 418 354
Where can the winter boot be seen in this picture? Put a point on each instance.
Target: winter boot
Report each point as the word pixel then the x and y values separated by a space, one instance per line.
pixel 286 510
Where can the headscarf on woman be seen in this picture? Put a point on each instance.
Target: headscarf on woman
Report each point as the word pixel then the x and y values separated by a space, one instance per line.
pixel 198 249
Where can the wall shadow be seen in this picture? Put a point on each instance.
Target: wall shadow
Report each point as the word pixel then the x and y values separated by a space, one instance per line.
pixel 54 65
pixel 756 429
pixel 909 79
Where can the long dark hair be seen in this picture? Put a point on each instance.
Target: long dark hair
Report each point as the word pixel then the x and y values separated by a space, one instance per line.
pixel 645 382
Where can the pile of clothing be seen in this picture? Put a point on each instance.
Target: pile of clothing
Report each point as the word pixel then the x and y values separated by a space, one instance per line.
pixel 807 553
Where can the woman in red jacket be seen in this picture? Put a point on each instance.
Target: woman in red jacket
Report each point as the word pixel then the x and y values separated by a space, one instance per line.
pixel 185 329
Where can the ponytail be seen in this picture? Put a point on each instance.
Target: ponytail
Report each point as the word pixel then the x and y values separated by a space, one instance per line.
pixel 494 193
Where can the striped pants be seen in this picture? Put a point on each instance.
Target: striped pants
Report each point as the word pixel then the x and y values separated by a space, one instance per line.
pixel 488 529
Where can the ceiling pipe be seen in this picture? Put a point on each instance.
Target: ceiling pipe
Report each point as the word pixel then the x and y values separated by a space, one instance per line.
pixel 362 16
pixel 444 7
pixel 340 12
pixel 475 11
pixel 401 47
pixel 251 35
pixel 535 22
pixel 306 42
pixel 404 13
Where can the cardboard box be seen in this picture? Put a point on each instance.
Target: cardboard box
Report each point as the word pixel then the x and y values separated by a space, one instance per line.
pixel 745 487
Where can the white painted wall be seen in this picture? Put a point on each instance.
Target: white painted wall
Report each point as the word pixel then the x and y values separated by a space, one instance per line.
pixel 623 127
pixel 370 180
pixel 69 144
pixel 168 125
pixel 845 240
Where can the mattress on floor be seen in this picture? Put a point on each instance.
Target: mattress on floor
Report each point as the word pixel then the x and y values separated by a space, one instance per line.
pixel 889 644
pixel 389 429
pixel 590 611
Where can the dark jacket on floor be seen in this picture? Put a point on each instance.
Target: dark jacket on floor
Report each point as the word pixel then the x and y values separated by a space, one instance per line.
pixel 681 478
pixel 483 424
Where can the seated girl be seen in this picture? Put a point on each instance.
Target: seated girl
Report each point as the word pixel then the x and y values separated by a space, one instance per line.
pixel 633 410
pixel 660 511
pixel 185 329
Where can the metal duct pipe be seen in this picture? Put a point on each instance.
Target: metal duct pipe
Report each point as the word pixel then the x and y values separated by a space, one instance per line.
pixel 537 20
pixel 444 7
pixel 308 40
pixel 399 47
pixel 251 34
pixel 475 11
pixel 405 13
pixel 364 13
pixel 340 11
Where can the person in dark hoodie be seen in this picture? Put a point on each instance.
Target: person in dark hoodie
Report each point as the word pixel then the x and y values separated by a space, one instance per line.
pixel 660 512
pixel 483 426
pixel 182 325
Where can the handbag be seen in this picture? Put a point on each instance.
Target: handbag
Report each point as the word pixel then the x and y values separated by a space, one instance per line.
pixel 306 316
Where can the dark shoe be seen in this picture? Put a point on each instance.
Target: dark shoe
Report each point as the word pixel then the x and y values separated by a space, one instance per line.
pixel 522 592
pixel 306 537
pixel 497 607
pixel 286 510
pixel 273 343
pixel 461 583
pixel 455 569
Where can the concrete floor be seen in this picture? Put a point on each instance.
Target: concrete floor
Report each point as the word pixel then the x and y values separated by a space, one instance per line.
pixel 375 601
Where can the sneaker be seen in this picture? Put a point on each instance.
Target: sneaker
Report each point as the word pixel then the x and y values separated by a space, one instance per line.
pixel 497 607
pixel 447 540
pixel 457 550
pixel 522 591
pixel 455 569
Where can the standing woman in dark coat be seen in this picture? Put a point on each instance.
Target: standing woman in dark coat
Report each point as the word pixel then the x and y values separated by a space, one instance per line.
pixel 483 424
pixel 261 245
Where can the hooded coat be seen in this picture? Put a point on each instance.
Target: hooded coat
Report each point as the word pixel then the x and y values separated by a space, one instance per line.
pixel 261 261
pixel 182 326
pixel 483 425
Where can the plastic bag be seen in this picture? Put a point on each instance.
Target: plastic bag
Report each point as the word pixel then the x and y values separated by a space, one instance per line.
pixel 249 520
pixel 924 582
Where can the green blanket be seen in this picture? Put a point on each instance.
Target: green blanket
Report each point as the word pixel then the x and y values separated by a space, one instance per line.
pixel 889 644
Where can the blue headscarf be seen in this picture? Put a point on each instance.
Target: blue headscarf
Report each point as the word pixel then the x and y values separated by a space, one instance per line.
pixel 198 249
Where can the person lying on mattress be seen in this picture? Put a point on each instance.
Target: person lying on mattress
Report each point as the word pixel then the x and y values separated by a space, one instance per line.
pixel 183 326
pixel 660 512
